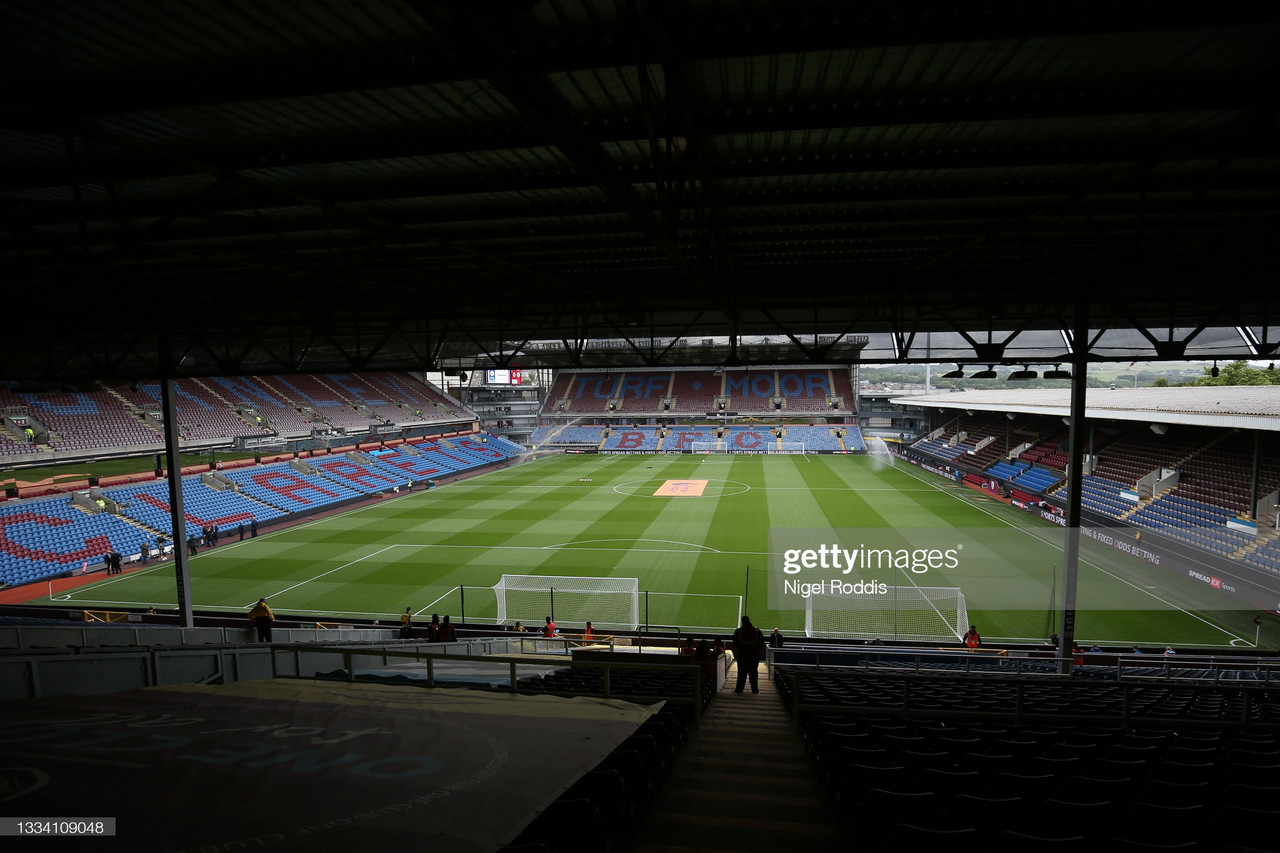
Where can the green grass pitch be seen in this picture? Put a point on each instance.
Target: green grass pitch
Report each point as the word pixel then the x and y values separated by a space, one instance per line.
pixel 440 551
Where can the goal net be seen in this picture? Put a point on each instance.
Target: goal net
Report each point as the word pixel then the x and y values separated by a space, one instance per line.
pixel 788 447
pixel 922 613
pixel 707 447
pixel 610 604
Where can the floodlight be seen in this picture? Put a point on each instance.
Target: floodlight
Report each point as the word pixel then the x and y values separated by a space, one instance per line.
pixel 1057 373
pixel 958 373
pixel 989 373
pixel 1022 375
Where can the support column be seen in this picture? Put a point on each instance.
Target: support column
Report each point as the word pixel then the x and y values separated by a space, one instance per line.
pixel 176 513
pixel 1075 487
pixel 1254 476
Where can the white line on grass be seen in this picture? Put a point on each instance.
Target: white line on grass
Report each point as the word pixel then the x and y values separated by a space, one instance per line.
pixel 97 585
pixel 323 574
pixel 960 497
pixel 563 546
pixel 664 541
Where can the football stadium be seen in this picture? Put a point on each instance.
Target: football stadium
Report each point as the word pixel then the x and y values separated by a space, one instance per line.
pixel 434 423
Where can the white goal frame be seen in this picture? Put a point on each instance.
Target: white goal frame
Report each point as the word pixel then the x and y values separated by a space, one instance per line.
pixel 609 603
pixel 920 613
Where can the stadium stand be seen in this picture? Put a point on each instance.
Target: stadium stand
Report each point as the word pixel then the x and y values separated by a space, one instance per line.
pixel 681 438
pixel 309 392
pixel 202 414
pixel 430 401
pixel 221 409
pixel 248 393
pixel 357 471
pixel 814 437
pixel 360 391
pixel 1008 763
pixel 288 489
pixel 47 537
pixel 571 435
pixel 692 393
pixel 148 504
pixel 84 420
pixel 631 438
pixel 695 391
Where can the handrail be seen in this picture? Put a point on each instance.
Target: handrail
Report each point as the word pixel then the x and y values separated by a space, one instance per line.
pixel 512 661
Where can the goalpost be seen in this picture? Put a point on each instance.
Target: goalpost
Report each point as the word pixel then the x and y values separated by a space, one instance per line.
pixel 610 604
pixel 922 613
pixel 708 447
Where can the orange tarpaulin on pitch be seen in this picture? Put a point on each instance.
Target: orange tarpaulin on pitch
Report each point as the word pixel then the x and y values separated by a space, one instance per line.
pixel 682 488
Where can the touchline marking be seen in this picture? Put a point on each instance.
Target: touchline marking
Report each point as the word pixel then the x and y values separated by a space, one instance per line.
pixel 664 541
pixel 561 546
pixel 322 574
pixel 1052 544
pixel 97 585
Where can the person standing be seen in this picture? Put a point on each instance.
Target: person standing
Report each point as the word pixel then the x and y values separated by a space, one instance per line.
pixel 144 553
pixel 253 527
pixel 589 633
pixel 748 644
pixel 972 639
pixel 240 530
pixel 262 617
pixel 406 624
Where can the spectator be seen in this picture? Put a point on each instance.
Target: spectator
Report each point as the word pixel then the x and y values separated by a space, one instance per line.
pixel 775 639
pixel 262 617
pixel 748 643
pixel 972 639
pixel 433 630
pixel 446 631
pixel 549 630
pixel 589 633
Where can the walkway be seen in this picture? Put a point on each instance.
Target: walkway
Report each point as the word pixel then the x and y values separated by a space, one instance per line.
pixel 742 784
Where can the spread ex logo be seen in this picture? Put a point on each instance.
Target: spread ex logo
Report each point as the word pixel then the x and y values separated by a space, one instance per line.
pixel 682 488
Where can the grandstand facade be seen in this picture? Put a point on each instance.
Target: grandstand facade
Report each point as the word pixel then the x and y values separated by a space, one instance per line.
pixel 1189 477
pixel 118 419
pixel 675 410
pixel 75 530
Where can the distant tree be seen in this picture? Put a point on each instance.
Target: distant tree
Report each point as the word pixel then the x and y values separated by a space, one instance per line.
pixel 1239 373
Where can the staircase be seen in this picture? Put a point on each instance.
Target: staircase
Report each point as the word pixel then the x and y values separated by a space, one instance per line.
pixel 743 783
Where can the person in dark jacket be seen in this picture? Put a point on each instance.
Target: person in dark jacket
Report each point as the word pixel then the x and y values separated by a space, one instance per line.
pixel 748 645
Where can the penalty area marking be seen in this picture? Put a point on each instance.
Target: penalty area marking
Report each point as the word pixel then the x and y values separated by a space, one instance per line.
pixel 573 545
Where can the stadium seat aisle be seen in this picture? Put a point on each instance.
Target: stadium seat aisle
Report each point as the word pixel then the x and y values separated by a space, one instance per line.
pixel 741 784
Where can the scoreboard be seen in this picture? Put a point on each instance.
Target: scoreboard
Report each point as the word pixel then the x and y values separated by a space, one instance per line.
pixel 503 377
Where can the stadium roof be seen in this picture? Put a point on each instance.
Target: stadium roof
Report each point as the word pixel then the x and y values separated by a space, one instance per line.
pixel 410 183
pixel 1227 406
